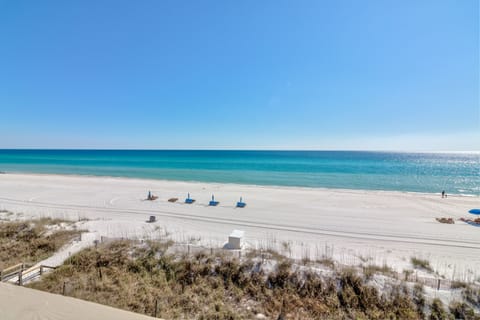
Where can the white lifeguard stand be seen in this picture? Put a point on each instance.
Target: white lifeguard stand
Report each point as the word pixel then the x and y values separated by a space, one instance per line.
pixel 235 239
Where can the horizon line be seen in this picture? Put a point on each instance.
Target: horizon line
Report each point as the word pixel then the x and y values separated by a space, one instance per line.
pixel 247 149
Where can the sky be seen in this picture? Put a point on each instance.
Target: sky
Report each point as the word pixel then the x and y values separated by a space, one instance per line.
pixel 345 75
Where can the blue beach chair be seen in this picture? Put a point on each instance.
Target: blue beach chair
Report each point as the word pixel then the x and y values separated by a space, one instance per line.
pixel 241 204
pixel 189 200
pixel 213 202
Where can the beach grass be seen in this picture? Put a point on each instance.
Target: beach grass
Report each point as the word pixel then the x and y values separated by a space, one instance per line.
pixel 147 278
pixel 31 241
pixel 421 264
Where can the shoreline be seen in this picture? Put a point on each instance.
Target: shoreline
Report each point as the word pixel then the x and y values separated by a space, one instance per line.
pixel 346 190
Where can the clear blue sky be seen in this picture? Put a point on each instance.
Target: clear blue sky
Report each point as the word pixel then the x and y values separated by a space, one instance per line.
pixel 240 74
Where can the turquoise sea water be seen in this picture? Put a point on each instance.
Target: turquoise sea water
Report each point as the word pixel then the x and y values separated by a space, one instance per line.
pixel 417 172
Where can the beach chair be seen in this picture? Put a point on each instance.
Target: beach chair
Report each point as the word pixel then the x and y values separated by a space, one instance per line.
pixel 241 204
pixel 213 202
pixel 189 200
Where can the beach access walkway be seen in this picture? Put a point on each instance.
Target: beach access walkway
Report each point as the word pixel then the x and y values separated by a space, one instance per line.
pixel 20 303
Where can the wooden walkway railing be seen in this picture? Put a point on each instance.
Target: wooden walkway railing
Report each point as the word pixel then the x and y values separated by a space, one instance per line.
pixel 23 273
pixel 12 272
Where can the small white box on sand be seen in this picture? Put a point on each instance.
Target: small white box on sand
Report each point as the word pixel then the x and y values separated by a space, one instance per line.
pixel 235 239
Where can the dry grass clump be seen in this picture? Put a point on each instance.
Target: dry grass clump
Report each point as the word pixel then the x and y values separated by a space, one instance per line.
pixel 437 311
pixel 142 277
pixel 421 264
pixel 458 285
pixel 265 254
pixel 30 241
pixel 472 296
pixel 460 310
pixel 419 299
pixel 370 270
pixel 5 213
pixel 328 262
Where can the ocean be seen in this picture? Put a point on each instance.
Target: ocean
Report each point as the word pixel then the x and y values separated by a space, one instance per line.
pixel 456 173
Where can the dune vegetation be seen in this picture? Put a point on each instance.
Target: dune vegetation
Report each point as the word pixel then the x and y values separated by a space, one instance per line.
pixel 32 241
pixel 152 279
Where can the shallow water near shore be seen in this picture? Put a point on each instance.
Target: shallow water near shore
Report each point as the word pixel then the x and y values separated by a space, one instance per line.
pixel 456 173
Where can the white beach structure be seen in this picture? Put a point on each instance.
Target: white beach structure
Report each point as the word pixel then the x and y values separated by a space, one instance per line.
pixel 235 239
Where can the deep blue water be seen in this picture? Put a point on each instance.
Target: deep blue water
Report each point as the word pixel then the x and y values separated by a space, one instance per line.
pixel 418 172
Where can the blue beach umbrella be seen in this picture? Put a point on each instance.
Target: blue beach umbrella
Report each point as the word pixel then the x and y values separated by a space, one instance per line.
pixel 474 211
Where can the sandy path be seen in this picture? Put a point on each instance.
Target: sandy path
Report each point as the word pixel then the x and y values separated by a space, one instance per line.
pixel 350 225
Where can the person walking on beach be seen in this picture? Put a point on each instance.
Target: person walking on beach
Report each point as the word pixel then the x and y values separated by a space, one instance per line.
pixel 443 194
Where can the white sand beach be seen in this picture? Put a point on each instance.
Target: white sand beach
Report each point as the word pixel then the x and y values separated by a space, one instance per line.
pixel 350 226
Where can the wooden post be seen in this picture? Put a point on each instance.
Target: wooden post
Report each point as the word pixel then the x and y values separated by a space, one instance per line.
pixel 438 285
pixel 1 276
pixel 64 287
pixel 41 270
pixel 156 308
pixel 20 277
